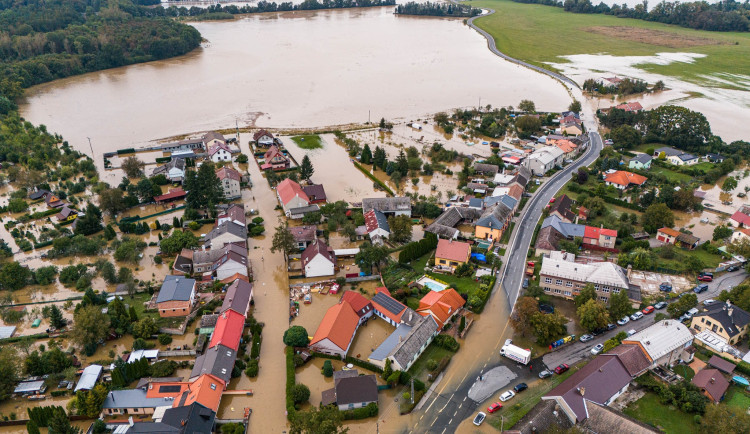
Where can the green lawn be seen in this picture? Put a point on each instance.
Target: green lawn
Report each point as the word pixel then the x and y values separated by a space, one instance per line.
pixel 464 285
pixel 669 419
pixel 737 398
pixel 308 141
pixel 433 352
pixel 686 371
pixel 709 259
pixel 540 34
pixel 670 174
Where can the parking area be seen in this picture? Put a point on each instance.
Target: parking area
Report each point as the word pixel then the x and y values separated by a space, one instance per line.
pixel 649 282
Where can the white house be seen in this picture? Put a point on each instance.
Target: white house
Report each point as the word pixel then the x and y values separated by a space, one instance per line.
pixel 219 152
pixel 230 264
pixel 544 159
pixel 683 159
pixel 230 182
pixel 263 138
pixel 740 235
pixel 318 260
pixel 174 170
pixel 291 196
pixel 377 225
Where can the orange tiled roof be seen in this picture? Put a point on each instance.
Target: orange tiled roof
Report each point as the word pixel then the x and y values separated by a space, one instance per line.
pixel 453 250
pixel 441 304
pixel 669 231
pixel 624 178
pixel 206 390
pixel 155 389
pixel 338 325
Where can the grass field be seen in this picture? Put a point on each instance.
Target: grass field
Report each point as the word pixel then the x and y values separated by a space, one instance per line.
pixel 432 352
pixel 308 141
pixel 669 419
pixel 737 398
pixel 539 34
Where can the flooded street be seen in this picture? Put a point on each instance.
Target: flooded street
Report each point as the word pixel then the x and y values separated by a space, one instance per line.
pixel 253 66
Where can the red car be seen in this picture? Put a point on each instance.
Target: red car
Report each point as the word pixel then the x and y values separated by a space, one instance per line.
pixel 648 310
pixel 562 368
pixel 706 278
pixel 494 407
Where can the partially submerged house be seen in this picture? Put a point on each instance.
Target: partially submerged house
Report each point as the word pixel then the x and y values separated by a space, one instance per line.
pixel 231 182
pixel 351 390
pixel 336 330
pixel 173 170
pixel 318 260
pixel 377 226
pixel 303 235
pixel 176 296
pixel 451 254
pixel 274 159
pixel 390 206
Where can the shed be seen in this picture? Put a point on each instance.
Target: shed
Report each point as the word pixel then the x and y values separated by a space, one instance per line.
pixel 30 387
pixel 89 377
pixel 721 364
pixel 7 332
pixel 36 323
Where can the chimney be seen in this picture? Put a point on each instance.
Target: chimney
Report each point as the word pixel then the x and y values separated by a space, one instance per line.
pixel 713 380
pixel 630 270
pixel 582 390
pixel 729 312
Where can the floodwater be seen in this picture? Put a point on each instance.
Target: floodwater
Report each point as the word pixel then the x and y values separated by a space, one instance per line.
pixel 290 70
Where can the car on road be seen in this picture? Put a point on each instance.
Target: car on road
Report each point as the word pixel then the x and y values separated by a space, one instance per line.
pixel 648 310
pixel 520 387
pixel 599 331
pixel 660 305
pixel 684 317
pixel 732 268
pixel 479 418
pixel 623 321
pixel 494 407
pixel 631 332
pixel 700 288
pixel 709 302
pixel 665 287
pixel 526 282
pixel 611 326
pixel 706 278
pixel 708 205
pixel 545 374
pixel 562 368
pixel 508 394
pixel 597 349
pixel 636 316
pixel 586 338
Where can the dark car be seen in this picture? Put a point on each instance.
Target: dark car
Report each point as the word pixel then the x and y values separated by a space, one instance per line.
pixel 611 326
pixel 700 288
pixel 599 331
pixel 562 368
pixel 520 387
pixel 733 268
pixel 665 287
pixel 545 308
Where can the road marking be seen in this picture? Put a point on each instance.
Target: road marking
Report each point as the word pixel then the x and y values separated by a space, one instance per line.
pixel 423 415
pixel 449 422
pixel 465 398
pixel 443 432
pixel 455 413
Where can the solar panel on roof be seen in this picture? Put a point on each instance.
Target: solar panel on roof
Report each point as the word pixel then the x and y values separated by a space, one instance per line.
pixel 169 389
pixel 389 303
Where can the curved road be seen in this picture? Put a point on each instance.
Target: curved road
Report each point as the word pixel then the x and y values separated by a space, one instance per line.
pixel 493 48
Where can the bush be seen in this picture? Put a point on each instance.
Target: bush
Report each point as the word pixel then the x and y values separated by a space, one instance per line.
pixel 300 393
pixel 370 410
pixel 447 342
pixel 296 336
pixel 252 368
pixel 327 368
pixel 432 364
pixel 165 339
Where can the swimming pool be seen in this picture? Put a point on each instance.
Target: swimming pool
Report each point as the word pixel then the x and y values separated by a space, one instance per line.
pixel 432 284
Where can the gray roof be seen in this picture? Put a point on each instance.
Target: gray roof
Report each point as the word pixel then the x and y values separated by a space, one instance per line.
pixel 304 209
pixel 386 204
pixel 642 158
pixel 385 348
pixel 410 348
pixel 496 217
pixel 668 151
pixel 213 255
pixel 238 296
pixel 218 361
pixel 29 386
pixel 150 427
pixel 476 202
pixel 686 157
pixel 508 201
pixel 602 273
pixel 194 418
pixel 133 398
pixel 178 163
pixel 353 390
pixel 445 223
pixel 662 337
pixel 143 382
pixel 240 231
pixel 176 288
pixel 733 323
pixel 7 331
pixel 89 377
pixel 486 168
pixel 568 230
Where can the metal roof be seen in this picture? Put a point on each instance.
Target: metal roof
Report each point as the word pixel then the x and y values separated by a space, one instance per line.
pixel 176 288
pixel 29 386
pixel 89 377
pixel 662 338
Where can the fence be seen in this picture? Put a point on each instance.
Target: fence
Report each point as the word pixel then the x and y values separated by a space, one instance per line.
pixel 177 353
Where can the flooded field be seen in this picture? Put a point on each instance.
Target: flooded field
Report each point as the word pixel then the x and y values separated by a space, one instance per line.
pixel 356 78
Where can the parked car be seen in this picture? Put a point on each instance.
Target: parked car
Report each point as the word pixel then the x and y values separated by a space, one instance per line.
pixel 526 282
pixel 545 374
pixel 520 387
pixel 597 349
pixel 692 312
pixel 660 305
pixel 611 326
pixel 609 142
pixel 732 268
pixel 599 331
pixel 648 310
pixel 479 418
pixel 708 205
pixel 508 394
pixel 586 338
pixel 684 317
pixel 623 321
pixel 562 368
pixel 665 287
pixel 631 332
pixel 700 288
pixel 708 302
pixel 636 316
pixel 494 407
pixel 706 278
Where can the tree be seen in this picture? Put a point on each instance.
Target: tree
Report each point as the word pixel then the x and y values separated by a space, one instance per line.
pixel 283 240
pixel 60 424
pixel 179 240
pixel 625 136
pixel 722 232
pixel 366 157
pixel 527 106
pixel 682 305
pixel 90 401
pixel 145 328
pixel 132 166
pixel 111 201
pixel 45 275
pixel 575 106
pixel 328 368
pixel 379 158
pixel 387 370
pixel 596 206
pixel 306 169
pixel 729 184
pixel 587 293
pixel 726 420
pixel 548 326
pixel 56 317
pixel 91 222
pixel 300 393
pixel 90 327
pixel 528 124
pixel 593 315
pixel 204 188
pixel 16 205
pixel 582 175
pixel 400 228
pixel 657 216
pixel 619 305
pixel 370 256
pixel 525 309
pixel 8 371
pixel 13 276
pixel 324 420
pixel 296 336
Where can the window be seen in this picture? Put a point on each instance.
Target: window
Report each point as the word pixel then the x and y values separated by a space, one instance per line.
pixel 546 289
pixel 547 280
pixel 697 327
pixel 615 291
pixel 558 282
pixel 713 329
pixel 596 286
pixel 606 289
pixel 569 284
pixel 567 293
pixel 558 291
pixel 707 322
pixel 351 405
pixel 604 299
pixel 213 386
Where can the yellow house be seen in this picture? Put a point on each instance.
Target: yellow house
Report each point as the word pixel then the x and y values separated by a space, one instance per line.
pixel 493 222
pixel 66 214
pixel 723 319
pixel 450 254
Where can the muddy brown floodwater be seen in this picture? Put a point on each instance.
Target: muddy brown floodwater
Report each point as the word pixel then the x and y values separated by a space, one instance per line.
pixel 386 66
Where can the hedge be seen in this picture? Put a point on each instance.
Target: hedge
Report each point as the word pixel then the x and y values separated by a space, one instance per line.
pixel 325 356
pixel 41 214
pixel 56 393
pixel 20 338
pixel 373 178
pixel 290 382
pixel 43 244
pixel 362 364
pixel 361 413
pixel 417 249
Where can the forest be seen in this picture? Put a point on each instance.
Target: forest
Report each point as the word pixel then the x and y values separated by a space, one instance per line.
pixel 437 9
pixel 42 41
pixel 724 16
pixel 226 11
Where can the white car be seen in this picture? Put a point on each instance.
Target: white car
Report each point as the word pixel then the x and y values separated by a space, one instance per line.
pixel 708 302
pixel 597 349
pixel 631 332
pixel 623 321
pixel 479 418
pixel 636 316
pixel 507 395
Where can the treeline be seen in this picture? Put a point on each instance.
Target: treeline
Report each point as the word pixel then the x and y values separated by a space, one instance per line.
pixel 624 87
pixel 42 41
pixel 220 12
pixel 725 16
pixel 437 9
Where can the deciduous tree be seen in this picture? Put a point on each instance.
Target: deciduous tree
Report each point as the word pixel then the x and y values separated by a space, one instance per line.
pixel 112 201
pixel 548 327
pixel 527 106
pixel 619 305
pixel 324 420
pixel 520 319
pixel 593 315
pixel 90 327
pixel 283 240
pixel 657 216
pixel 400 227
pixel 132 166
pixel 296 336
pixel 587 293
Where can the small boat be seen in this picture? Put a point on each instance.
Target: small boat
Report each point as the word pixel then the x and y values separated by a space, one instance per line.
pixel 741 380
pixel 485 143
pixel 37 397
pixel 307 299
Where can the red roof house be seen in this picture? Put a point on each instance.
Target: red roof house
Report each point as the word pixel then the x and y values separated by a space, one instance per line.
pixel 336 330
pixel 174 194
pixel 599 237
pixel 228 330
pixel 290 195
pixel 622 179
pixel 442 305
pixel 630 106
pixel 361 305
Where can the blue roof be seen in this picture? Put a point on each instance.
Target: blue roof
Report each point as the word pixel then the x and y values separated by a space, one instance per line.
pixel 382 351
pixel 382 220
pixel 176 288
pixel 569 230
pixel 509 201
pixel 475 202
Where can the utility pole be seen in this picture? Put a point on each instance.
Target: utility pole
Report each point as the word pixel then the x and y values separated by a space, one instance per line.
pixel 237 127
pixel 368 117
pixel 91 147
pixel 412 391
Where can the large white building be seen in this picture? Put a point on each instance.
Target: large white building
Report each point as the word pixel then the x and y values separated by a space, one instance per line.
pixel 544 159
pixel 664 342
